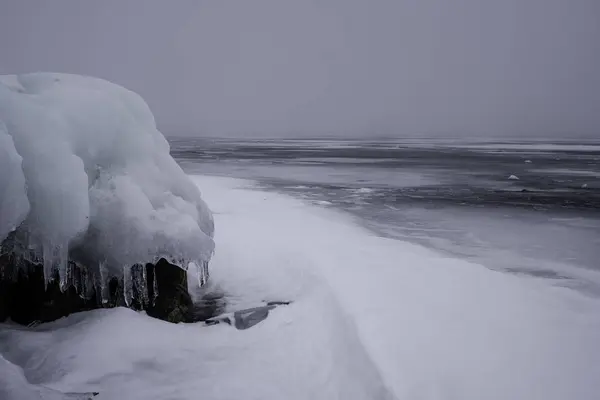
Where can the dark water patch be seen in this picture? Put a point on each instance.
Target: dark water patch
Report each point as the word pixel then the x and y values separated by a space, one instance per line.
pixel 545 274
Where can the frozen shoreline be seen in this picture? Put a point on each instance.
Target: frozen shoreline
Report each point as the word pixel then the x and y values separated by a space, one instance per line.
pixel 371 318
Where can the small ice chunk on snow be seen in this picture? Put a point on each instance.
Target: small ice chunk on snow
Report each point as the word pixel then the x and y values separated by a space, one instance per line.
pixel 513 178
pixel 528 161
pixel 584 186
pixel 102 188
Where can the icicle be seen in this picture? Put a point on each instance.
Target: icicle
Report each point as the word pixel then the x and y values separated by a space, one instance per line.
pixel 127 285
pixel 76 278
pixel 103 286
pixel 205 273
pixel 197 274
pixel 143 287
pixel 47 265
pixel 155 287
pixel 63 267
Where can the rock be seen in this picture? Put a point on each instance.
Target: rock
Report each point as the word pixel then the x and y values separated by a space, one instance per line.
pixel 247 318
pixel 81 396
pixel 173 303
pixel 26 299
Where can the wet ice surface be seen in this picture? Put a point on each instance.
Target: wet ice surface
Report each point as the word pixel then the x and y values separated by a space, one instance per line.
pixel 455 197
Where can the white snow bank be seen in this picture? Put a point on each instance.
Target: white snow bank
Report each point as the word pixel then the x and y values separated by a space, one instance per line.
pixel 302 351
pixel 100 183
pixel 434 327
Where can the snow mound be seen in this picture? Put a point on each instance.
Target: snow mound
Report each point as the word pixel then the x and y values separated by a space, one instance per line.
pixel 513 178
pixel 90 178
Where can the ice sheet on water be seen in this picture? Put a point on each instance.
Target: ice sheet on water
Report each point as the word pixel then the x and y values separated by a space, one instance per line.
pixel 101 185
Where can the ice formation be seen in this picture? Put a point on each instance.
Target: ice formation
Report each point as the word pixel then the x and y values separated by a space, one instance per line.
pixel 87 177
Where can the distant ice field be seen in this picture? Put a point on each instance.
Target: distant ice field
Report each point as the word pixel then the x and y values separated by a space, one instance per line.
pixel 452 196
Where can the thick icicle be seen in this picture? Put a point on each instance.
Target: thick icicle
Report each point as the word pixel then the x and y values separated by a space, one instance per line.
pixel 63 267
pixel 103 275
pixel 154 288
pixel 127 285
pixel 142 285
pixel 47 265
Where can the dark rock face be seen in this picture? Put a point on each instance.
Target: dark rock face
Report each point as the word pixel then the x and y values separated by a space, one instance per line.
pixel 26 298
pixel 173 302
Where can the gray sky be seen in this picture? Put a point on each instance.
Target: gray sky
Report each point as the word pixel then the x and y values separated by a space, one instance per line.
pixel 316 67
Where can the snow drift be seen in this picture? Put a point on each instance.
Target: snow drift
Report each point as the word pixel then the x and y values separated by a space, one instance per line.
pixel 87 177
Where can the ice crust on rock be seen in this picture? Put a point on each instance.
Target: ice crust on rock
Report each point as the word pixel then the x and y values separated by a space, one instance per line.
pixel 87 176
pixel 14 205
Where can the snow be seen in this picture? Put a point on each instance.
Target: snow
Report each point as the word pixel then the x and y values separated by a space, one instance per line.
pixel 14 385
pixel 101 185
pixel 513 178
pixel 14 205
pixel 371 318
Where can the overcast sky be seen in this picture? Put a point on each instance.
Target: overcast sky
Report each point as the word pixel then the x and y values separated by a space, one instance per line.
pixel 321 67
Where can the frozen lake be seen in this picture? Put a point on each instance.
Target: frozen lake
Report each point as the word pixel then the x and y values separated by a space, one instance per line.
pixel 455 197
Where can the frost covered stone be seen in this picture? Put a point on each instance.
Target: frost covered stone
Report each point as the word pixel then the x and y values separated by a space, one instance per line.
pixel 86 176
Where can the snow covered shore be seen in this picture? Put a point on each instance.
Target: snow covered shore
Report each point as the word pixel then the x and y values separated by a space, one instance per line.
pixel 371 318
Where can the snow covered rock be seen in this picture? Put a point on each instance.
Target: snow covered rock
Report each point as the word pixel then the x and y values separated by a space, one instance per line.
pixel 87 180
